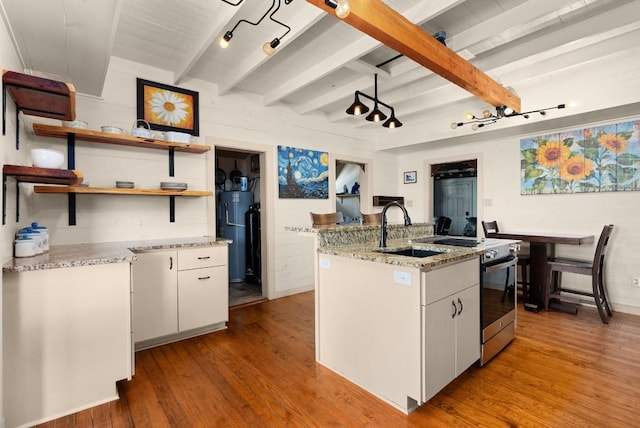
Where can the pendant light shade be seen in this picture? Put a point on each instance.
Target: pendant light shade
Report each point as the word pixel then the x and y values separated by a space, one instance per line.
pixel 357 108
pixel 376 115
pixel 392 122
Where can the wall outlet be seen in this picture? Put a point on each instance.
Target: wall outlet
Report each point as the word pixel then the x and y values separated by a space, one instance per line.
pixel 635 282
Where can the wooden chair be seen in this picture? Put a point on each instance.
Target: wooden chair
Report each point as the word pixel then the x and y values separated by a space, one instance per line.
pixel 594 268
pixel 524 260
pixel 328 219
pixel 442 225
pixel 372 219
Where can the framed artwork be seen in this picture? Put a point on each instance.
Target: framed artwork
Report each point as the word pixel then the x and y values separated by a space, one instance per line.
pixel 603 158
pixel 409 177
pixel 302 173
pixel 167 108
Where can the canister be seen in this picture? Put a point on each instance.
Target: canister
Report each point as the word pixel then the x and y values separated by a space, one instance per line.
pixel 244 184
pixel 24 246
pixel 45 235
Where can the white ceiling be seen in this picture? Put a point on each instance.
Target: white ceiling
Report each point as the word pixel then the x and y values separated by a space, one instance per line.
pixel 523 44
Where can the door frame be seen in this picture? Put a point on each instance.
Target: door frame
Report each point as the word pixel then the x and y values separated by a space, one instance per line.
pixel 429 196
pixel 366 176
pixel 267 227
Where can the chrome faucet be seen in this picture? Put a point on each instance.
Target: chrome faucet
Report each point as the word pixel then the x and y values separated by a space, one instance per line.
pixel 383 228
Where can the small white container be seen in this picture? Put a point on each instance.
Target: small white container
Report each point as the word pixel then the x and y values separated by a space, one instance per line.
pixel 46 158
pixel 44 232
pixel 24 247
pixel 177 137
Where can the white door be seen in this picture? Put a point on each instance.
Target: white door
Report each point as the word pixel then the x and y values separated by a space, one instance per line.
pixel 458 202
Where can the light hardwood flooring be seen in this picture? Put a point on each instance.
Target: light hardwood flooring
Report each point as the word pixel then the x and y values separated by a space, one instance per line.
pixel 562 370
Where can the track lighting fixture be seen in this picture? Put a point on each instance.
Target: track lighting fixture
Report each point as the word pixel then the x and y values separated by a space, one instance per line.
pixel 341 6
pixel 269 46
pixel 487 117
pixel 376 115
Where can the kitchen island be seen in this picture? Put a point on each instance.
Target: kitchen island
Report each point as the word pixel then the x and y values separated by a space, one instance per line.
pixel 67 326
pixel 401 327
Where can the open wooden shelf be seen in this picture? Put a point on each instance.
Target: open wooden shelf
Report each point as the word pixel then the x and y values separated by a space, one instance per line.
pixel 42 97
pixel 118 191
pixel 31 174
pixel 44 130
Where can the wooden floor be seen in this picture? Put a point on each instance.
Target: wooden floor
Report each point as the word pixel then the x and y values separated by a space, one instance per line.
pixel 561 371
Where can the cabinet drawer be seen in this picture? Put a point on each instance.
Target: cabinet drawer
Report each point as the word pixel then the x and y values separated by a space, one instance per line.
pixel 450 279
pixel 199 257
pixel 203 297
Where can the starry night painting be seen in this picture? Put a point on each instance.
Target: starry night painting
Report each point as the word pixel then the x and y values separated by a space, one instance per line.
pixel 302 173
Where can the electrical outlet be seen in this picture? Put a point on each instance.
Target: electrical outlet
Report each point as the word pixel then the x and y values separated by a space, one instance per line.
pixel 635 282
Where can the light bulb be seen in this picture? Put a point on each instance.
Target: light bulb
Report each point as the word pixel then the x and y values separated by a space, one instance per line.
pixel 343 9
pixel 357 111
pixel 223 43
pixel 454 125
pixel 468 116
pixel 508 111
pixel 392 125
pixel 474 126
pixel 486 114
pixel 267 49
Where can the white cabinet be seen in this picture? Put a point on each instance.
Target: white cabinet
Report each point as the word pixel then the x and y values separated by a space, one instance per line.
pixel 66 340
pixel 451 320
pixel 179 293
pixel 155 294
pixel 203 287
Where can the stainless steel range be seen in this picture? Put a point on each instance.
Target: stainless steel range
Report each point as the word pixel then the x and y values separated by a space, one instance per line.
pixel 498 297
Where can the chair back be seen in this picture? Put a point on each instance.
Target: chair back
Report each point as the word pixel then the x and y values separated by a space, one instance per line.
pixel 372 218
pixel 598 257
pixel 324 219
pixel 490 227
pixel 442 225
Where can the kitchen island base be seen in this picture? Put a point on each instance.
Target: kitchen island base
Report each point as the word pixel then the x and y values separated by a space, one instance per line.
pixel 66 340
pixel 390 329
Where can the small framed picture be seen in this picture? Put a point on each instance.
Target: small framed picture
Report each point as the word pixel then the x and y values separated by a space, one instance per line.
pixel 167 108
pixel 409 177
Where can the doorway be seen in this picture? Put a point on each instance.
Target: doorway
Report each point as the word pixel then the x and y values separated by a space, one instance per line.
pixel 239 218
pixel 349 179
pixel 455 195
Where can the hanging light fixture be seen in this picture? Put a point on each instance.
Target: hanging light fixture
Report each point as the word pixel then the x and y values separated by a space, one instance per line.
pixel 487 117
pixel 376 115
pixel 269 46
pixel 341 6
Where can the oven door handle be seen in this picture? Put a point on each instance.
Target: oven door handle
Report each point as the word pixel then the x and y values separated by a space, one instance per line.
pixel 500 266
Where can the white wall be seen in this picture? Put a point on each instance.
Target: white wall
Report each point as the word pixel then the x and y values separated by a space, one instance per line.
pixel 499 199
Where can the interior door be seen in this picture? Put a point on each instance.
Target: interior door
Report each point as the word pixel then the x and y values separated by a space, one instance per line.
pixel 458 202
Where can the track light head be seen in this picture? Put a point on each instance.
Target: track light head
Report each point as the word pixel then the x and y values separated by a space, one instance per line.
pixel 269 48
pixel 341 6
pixel 224 40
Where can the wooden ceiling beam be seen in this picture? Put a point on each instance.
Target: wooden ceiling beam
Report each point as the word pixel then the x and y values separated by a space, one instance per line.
pixel 375 18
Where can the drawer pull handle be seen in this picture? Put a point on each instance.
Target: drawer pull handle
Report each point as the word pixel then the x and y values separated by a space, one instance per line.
pixel 204 257
pixel 204 277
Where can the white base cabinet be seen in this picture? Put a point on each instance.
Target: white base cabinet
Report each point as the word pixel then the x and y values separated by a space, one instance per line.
pixel 179 293
pixel 66 340
pixel 451 319
pixel 392 329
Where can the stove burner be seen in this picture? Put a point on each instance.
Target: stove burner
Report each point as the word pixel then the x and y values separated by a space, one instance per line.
pixel 457 242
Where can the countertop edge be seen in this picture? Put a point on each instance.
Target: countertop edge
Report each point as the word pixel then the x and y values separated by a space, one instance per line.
pixel 89 254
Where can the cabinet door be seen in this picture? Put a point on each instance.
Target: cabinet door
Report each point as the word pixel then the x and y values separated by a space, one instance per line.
pixel 155 295
pixel 203 297
pixel 440 345
pixel 468 329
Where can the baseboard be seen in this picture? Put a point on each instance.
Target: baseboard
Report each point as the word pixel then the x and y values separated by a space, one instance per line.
pixel 292 291
pixel 626 309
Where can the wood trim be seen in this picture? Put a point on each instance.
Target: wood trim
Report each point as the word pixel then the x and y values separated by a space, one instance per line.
pixel 375 18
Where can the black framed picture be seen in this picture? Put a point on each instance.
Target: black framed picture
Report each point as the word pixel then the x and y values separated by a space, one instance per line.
pixel 410 177
pixel 167 108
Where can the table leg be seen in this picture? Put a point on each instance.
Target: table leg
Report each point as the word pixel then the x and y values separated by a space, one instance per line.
pixel 540 252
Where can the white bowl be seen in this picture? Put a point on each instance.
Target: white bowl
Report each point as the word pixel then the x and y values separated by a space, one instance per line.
pixel 111 129
pixel 45 158
pixel 80 124
pixel 177 137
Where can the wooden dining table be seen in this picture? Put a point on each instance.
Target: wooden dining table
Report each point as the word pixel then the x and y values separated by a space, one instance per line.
pixel 542 247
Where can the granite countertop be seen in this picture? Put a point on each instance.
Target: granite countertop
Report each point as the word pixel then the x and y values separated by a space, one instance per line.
pixel 371 252
pixel 61 256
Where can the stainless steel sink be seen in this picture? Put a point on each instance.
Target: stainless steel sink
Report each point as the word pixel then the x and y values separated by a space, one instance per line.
pixel 411 252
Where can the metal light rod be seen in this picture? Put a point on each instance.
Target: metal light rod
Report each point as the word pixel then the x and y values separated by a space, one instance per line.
pixel 375 18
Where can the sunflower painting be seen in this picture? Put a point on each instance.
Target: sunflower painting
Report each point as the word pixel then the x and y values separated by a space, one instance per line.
pixel 303 173
pixel 598 159
pixel 167 108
